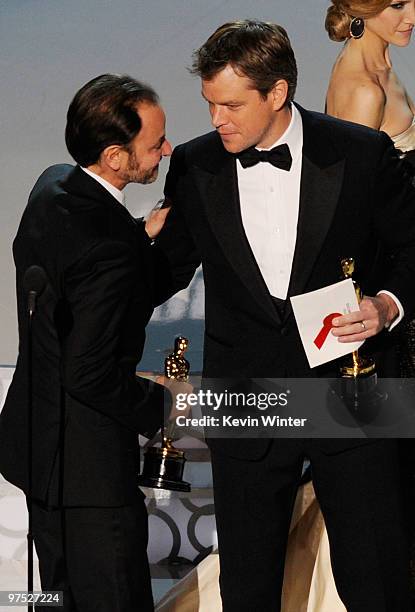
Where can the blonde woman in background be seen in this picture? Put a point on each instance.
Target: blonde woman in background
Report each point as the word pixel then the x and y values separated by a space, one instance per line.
pixel 364 88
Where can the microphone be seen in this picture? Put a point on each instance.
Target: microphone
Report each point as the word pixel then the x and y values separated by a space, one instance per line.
pixel 34 283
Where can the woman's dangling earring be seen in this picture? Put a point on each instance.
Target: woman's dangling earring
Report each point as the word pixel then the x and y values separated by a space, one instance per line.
pixel 357 27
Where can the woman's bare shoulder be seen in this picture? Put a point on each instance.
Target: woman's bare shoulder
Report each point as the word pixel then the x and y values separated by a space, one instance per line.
pixel 356 96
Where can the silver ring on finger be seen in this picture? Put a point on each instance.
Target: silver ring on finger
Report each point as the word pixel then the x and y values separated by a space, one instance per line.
pixel 362 323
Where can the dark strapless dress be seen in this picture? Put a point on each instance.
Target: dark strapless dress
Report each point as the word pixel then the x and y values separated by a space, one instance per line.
pixel 405 143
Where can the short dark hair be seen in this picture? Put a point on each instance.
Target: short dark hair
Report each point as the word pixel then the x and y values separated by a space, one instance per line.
pixel 103 113
pixel 256 49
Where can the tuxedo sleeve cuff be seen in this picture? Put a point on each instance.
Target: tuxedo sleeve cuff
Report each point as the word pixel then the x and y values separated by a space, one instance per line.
pixel 401 313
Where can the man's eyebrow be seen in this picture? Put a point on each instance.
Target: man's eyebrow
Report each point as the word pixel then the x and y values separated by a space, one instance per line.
pixel 227 103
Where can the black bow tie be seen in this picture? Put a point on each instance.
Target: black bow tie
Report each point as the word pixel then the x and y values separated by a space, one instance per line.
pixel 280 157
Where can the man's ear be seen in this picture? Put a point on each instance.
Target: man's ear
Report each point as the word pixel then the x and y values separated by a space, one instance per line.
pixel 112 157
pixel 279 94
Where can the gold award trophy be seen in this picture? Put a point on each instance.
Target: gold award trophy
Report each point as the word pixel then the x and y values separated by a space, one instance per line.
pixel 163 466
pixel 355 365
pixel 358 373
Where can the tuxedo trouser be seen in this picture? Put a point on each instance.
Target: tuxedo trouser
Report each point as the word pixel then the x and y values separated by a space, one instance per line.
pixel 96 556
pixel 359 494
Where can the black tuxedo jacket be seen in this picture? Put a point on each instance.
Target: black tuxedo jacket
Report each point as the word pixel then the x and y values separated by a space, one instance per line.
pixel 88 337
pixel 355 200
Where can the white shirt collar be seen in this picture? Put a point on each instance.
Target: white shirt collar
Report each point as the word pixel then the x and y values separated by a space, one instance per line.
pixel 116 193
pixel 293 135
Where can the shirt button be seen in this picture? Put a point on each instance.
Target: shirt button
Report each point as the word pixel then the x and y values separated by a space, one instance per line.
pixel 271 189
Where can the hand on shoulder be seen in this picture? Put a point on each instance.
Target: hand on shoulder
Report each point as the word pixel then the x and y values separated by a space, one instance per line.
pixel 155 220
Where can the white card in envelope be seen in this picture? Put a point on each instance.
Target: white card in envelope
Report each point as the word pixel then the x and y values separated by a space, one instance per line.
pixel 314 312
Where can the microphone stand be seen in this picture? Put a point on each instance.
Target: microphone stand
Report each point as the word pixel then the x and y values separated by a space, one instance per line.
pixel 33 283
pixel 31 307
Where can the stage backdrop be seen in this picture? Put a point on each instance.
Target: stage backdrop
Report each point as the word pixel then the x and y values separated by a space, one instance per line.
pixel 49 48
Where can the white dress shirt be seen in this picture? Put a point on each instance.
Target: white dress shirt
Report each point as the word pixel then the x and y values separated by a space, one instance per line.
pixel 270 200
pixel 116 193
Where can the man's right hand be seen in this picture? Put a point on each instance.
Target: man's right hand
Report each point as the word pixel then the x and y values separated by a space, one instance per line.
pixel 156 218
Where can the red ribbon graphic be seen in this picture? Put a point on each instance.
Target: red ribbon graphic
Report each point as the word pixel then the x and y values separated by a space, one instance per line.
pixel 324 332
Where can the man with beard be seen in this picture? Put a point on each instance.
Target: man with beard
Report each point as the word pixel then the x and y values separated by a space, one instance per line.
pixel 89 518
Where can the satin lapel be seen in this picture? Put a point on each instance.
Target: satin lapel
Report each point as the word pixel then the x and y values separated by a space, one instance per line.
pixel 321 183
pixel 220 192
pixel 320 190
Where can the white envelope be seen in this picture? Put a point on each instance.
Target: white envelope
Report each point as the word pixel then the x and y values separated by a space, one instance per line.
pixel 313 312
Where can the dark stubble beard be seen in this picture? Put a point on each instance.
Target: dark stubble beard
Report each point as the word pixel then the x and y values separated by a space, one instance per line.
pixel 136 175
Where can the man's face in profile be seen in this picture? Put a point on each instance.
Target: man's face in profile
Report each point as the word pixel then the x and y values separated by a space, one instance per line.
pixel 146 150
pixel 241 115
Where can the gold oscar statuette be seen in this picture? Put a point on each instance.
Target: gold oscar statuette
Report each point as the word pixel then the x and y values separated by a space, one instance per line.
pixel 163 466
pixel 357 386
pixel 355 365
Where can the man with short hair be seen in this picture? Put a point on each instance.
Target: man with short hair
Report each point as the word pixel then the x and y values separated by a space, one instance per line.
pixel 269 203
pixel 89 518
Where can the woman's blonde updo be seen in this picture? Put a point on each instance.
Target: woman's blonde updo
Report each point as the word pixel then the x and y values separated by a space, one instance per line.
pixel 340 14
